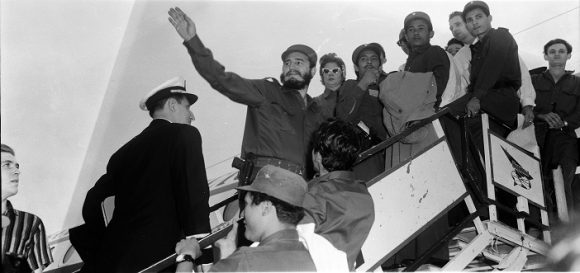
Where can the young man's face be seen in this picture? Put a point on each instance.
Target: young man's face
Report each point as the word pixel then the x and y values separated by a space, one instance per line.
pixel 453 48
pixel 418 33
pixel 253 218
pixel 368 60
pixel 10 175
pixel 478 23
pixel 459 30
pixel 557 55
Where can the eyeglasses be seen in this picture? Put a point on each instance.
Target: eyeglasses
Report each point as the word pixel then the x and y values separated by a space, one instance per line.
pixel 10 165
pixel 334 70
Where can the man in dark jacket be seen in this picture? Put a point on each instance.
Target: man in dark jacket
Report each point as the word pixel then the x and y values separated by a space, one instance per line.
pixel 495 73
pixel 339 205
pixel 160 186
pixel 358 103
pixel 557 116
pixel 280 117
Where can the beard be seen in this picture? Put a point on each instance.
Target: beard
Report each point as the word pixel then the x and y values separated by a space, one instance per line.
pixel 294 83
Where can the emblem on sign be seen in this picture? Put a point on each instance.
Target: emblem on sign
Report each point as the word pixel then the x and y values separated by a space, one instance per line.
pixel 520 175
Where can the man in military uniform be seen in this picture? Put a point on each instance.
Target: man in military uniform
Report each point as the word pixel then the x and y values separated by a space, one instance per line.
pixel 280 116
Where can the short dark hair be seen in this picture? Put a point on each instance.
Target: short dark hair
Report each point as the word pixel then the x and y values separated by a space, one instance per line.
pixel 286 213
pixel 160 103
pixel 457 13
pixel 455 41
pixel 7 149
pixel 338 143
pixel 558 41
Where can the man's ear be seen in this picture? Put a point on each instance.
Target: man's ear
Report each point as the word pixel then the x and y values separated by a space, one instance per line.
pixel 171 102
pixel 313 71
pixel 431 34
pixel 546 57
pixel 267 207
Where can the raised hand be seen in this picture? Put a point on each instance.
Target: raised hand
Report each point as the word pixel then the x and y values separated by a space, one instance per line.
pixel 182 23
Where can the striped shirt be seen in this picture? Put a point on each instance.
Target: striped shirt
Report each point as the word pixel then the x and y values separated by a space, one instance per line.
pixel 25 238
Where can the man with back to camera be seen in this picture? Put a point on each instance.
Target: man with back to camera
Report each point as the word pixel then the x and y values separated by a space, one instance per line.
pixel 273 207
pixel 160 186
pixel 24 246
pixel 280 117
pixel 339 205
pixel 557 116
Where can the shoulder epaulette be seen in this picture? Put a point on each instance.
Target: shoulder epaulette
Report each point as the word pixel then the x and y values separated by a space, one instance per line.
pixel 272 80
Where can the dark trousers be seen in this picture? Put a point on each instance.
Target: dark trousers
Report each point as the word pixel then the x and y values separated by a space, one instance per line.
pixel 560 148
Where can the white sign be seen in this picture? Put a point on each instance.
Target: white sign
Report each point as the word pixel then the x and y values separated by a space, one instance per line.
pixel 408 199
pixel 516 171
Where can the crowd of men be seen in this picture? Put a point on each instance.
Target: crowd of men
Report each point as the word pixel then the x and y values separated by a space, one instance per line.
pixel 298 153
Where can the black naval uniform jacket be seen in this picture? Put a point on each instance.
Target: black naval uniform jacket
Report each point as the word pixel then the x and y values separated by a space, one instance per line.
pixel 161 195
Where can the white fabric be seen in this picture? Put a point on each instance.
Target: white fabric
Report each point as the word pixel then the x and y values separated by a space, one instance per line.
pixel 326 257
pixel 452 89
pixel 525 138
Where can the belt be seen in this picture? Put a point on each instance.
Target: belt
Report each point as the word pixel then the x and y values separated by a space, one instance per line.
pixel 261 161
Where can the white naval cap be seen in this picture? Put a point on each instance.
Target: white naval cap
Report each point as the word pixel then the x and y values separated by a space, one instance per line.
pixel 166 89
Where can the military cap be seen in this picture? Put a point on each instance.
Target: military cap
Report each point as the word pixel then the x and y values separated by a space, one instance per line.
pixel 166 89
pixel 475 4
pixel 279 183
pixel 417 15
pixel 375 47
pixel 304 49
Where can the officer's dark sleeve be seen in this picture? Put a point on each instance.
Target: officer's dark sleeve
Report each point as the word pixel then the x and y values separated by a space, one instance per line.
pixel 230 84
pixel 438 62
pixel 92 209
pixel 503 50
pixel 87 238
pixel 190 188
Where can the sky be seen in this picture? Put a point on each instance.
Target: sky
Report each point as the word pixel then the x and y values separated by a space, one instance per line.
pixel 73 72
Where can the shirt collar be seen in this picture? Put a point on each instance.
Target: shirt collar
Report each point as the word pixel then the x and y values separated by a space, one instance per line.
pixel 10 211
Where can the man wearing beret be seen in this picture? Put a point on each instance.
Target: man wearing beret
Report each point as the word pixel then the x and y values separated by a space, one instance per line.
pixel 273 208
pixel 160 186
pixel 280 116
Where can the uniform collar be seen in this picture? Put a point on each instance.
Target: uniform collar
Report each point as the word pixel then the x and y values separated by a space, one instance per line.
pixel 285 234
pixel 337 175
